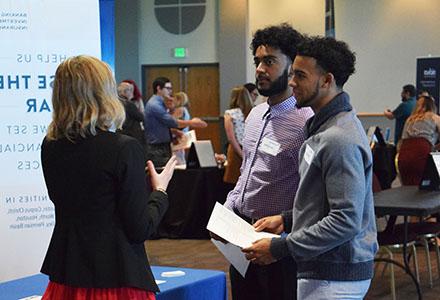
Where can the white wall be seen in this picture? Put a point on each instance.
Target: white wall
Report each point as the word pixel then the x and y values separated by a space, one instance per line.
pixel 306 16
pixel 387 37
pixel 156 44
pixel 233 47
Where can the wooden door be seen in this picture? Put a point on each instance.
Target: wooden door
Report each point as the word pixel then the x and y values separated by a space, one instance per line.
pixel 201 83
pixel 151 73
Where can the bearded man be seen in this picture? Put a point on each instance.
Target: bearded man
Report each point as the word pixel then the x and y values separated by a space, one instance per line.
pixel 269 171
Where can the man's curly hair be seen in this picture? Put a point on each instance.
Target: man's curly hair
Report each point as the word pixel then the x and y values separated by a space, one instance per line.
pixel 331 55
pixel 282 37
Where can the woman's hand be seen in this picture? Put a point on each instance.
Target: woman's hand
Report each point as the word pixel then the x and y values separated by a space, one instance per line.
pixel 161 180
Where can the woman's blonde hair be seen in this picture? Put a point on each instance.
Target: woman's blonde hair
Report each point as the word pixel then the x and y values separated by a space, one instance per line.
pixel 181 99
pixel 84 98
pixel 424 109
pixel 240 98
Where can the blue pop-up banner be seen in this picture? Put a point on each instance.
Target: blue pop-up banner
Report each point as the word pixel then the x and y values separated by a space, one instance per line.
pixel 36 36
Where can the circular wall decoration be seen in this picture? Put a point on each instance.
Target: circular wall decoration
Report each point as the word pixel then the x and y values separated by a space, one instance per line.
pixel 179 16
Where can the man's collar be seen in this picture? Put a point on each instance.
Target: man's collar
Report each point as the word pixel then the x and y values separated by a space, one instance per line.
pixel 279 108
pixel 339 103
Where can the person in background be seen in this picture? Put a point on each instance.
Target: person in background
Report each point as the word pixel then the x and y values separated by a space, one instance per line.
pixel 96 180
pixel 239 108
pixel 137 96
pixel 269 172
pixel 181 105
pixel 133 117
pixel 332 226
pixel 420 137
pixel 402 112
pixel 423 92
pixel 423 122
pixel 158 122
pixel 253 92
pixel 179 110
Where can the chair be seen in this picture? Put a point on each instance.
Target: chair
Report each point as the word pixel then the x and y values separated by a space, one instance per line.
pixel 383 164
pixel 391 239
pixel 411 162
pixel 413 155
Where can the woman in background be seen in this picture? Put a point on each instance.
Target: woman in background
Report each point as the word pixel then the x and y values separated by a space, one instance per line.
pixel 420 137
pixel 96 180
pixel 239 107
pixel 181 108
pixel 253 92
pixel 137 96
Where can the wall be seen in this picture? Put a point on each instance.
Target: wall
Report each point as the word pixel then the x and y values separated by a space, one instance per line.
pixel 156 44
pixel 387 37
pixel 127 41
pixel 233 47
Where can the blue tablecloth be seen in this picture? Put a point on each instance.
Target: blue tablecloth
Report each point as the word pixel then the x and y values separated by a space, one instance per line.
pixel 195 284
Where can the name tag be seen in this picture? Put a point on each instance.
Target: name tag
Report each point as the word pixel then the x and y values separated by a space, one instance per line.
pixel 269 146
pixel 308 154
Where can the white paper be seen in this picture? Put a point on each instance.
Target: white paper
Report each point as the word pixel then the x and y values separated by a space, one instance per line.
pixel 308 154
pixel 436 159
pixel 35 297
pixel 177 273
pixel 184 142
pixel 234 229
pixel 234 255
pixel 239 234
pixel 158 281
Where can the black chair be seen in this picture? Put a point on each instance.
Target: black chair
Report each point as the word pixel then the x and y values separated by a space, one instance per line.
pixel 392 239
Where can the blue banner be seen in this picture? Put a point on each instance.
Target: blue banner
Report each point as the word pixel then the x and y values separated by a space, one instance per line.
pixel 428 70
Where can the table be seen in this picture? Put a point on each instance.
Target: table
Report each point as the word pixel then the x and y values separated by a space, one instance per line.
pixel 192 195
pixel 407 201
pixel 196 284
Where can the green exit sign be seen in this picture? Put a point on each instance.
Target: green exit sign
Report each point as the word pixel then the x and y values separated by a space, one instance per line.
pixel 180 52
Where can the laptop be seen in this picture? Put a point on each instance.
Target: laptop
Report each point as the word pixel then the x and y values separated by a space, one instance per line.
pixel 201 155
pixel 431 179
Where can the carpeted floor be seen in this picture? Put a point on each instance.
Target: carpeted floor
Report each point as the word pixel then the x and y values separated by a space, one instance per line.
pixel 202 254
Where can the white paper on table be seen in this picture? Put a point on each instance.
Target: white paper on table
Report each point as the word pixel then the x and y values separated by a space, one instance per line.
pixel 34 297
pixel 177 273
pixel 234 255
pixel 158 281
pixel 185 141
pixel 234 229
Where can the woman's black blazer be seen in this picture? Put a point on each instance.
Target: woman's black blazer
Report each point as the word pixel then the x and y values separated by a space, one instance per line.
pixel 103 210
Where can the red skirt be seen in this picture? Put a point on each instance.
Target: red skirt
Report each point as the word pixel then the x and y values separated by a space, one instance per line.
pixel 56 291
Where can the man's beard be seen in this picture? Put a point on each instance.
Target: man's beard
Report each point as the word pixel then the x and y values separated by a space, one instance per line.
pixel 276 87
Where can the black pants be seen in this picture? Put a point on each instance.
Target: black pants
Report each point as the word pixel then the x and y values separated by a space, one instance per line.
pixel 159 154
pixel 274 281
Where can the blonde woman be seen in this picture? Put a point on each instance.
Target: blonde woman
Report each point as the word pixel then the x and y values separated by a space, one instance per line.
pixel 420 137
pixel 180 111
pixel 423 121
pixel 96 180
pixel 239 108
